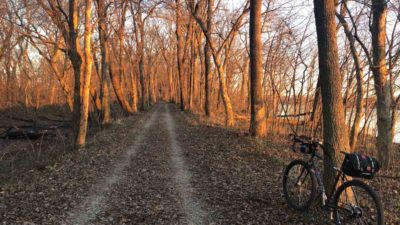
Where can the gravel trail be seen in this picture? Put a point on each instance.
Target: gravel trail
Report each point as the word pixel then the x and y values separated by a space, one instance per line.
pixel 193 209
pixel 153 185
pixel 91 206
pixel 158 167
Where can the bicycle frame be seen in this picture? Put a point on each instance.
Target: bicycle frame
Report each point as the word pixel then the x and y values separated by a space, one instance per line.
pixel 333 201
pixel 326 199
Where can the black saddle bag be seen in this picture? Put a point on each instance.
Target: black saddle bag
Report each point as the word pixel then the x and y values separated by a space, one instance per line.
pixel 357 165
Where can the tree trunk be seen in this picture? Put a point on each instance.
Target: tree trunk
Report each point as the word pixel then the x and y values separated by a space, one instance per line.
pixel 134 91
pixel 119 91
pixel 382 85
pixel 207 59
pixel 229 120
pixel 152 86
pixel 121 41
pixel 84 99
pixel 244 86
pixel 180 42
pixel 64 86
pixel 359 77
pixel 143 101
pixel 140 35
pixel 75 56
pixel 220 67
pixel 105 81
pixel 335 130
pixel 171 85
pixel 258 126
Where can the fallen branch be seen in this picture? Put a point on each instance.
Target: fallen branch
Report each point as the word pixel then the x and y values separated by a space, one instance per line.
pixel 295 115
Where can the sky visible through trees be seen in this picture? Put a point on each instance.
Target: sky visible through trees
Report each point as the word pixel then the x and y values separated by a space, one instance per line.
pixel 287 25
pixel 262 70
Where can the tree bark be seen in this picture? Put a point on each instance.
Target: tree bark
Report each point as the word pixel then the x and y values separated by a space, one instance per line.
pixel 119 91
pixel 69 30
pixel 105 81
pixel 335 130
pixel 134 91
pixel 171 85
pixel 121 41
pixel 258 126
pixel 359 77
pixel 244 89
pixel 75 56
pixel 230 120
pixel 207 59
pixel 84 99
pixel 64 85
pixel 382 85
pixel 180 42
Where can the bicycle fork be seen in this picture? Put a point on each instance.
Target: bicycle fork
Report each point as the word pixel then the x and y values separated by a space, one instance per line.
pixel 321 186
pixel 323 191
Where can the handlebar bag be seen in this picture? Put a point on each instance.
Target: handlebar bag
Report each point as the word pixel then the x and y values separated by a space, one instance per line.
pixel 358 165
pixel 305 148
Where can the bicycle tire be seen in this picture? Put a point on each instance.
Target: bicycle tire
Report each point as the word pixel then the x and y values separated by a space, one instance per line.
pixel 369 191
pixel 304 207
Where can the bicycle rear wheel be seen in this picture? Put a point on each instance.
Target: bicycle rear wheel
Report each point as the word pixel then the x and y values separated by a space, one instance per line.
pixel 356 203
pixel 299 185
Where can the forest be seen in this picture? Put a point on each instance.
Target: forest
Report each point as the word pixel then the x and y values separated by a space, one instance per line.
pixel 98 96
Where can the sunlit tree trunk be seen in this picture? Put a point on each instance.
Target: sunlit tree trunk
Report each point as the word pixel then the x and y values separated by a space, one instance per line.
pixel 116 74
pixel 359 77
pixel 118 89
pixel 244 86
pixel 152 86
pixel 134 91
pixel 105 81
pixel 180 42
pixel 223 90
pixel 230 120
pixel 121 48
pixel 140 35
pixel 144 102
pixel 75 55
pixel 84 99
pixel 207 58
pixel 64 85
pixel 335 130
pixel 258 126
pixel 171 85
pixel 382 85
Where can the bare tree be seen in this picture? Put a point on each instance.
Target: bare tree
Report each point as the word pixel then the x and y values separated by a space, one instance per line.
pixel 335 130
pixel 207 58
pixel 359 77
pixel 258 126
pixel 217 59
pixel 180 52
pixel 382 85
pixel 105 81
pixel 84 99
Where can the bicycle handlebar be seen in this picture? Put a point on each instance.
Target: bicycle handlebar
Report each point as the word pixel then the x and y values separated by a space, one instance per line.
pixel 311 141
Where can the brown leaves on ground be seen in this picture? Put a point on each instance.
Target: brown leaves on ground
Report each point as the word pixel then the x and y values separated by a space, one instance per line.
pixel 236 178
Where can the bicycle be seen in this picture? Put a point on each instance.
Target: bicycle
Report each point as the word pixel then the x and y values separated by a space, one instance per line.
pixel 347 203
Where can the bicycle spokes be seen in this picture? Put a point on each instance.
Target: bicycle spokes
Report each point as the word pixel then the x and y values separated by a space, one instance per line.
pixel 299 185
pixel 356 206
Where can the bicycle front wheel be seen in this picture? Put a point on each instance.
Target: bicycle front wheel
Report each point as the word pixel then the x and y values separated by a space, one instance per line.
pixel 299 185
pixel 356 203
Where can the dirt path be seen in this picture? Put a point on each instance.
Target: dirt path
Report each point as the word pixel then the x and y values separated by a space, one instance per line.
pixel 192 208
pixel 91 206
pixel 150 185
pixel 158 167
